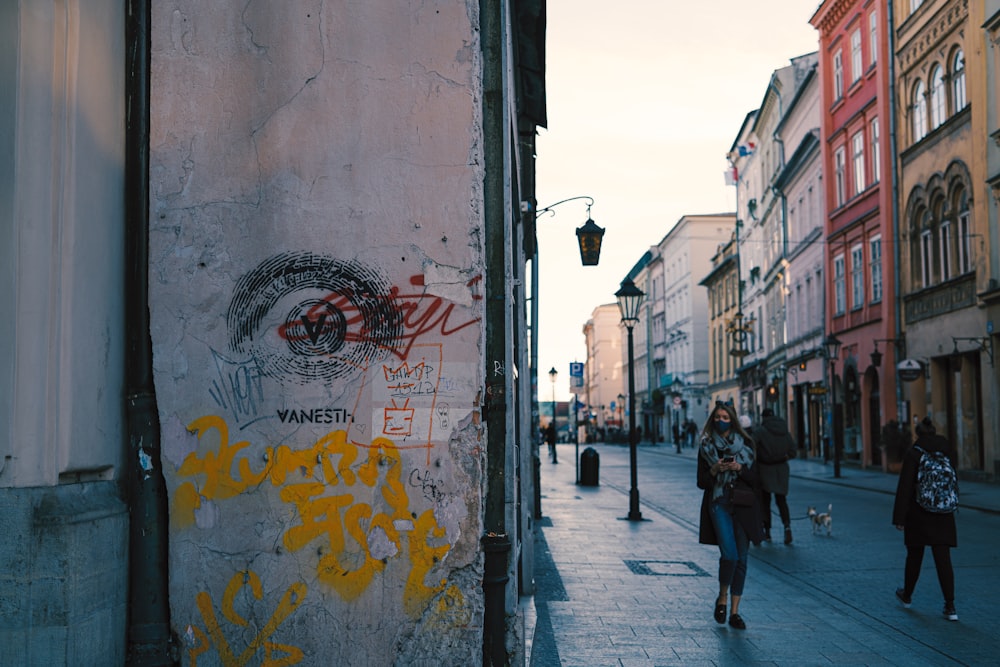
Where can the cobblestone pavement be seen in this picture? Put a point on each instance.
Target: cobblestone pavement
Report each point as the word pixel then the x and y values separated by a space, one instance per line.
pixel 615 592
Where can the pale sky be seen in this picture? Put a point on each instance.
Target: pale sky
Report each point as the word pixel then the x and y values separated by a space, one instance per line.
pixel 645 98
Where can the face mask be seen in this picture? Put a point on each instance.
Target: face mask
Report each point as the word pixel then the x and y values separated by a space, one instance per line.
pixel 722 427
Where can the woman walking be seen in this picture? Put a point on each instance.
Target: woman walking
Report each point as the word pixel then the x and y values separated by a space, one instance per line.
pixel 730 515
pixel 922 527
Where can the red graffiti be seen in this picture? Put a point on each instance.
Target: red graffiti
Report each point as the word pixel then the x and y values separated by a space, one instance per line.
pixel 421 314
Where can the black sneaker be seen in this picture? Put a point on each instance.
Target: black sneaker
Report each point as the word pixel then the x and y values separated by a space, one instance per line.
pixel 906 600
pixel 949 611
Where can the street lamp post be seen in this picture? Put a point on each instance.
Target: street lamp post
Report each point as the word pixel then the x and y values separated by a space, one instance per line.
pixel 629 299
pixel 831 345
pixel 553 374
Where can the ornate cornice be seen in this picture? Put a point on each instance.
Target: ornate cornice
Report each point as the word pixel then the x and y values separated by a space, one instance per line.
pixel 952 16
pixel 830 14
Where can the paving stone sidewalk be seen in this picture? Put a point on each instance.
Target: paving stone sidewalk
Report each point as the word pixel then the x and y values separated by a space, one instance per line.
pixel 620 593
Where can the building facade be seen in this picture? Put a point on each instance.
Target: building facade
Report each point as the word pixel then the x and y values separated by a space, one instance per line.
pixel 944 209
pixel 801 381
pixel 605 380
pixel 862 306
pixel 721 285
pixel 678 313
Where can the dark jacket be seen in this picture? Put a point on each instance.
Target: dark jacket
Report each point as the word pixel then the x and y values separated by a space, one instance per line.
pixel 920 527
pixel 775 446
pixel 748 517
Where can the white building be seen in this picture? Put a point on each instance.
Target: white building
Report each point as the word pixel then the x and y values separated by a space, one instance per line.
pixel 801 188
pixel 675 357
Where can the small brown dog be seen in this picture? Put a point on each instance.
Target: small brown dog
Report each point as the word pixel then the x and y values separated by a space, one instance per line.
pixel 821 520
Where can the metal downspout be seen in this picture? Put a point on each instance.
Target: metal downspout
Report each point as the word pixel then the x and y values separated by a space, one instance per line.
pixel 149 641
pixel 495 540
pixel 897 301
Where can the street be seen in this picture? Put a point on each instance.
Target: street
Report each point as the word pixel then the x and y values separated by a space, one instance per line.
pixel 822 600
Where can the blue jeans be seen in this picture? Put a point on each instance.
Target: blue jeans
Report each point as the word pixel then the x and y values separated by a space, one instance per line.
pixel 734 546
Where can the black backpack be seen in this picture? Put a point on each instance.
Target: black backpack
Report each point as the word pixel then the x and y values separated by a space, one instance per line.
pixel 937 483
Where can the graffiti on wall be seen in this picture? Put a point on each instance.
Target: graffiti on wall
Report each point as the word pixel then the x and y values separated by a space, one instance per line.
pixel 200 640
pixel 357 511
pixel 304 317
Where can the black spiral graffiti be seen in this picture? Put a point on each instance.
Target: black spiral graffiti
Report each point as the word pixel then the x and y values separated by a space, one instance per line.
pixel 305 317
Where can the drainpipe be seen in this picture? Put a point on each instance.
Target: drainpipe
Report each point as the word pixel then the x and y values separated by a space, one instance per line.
pixel 897 301
pixel 149 641
pixel 495 541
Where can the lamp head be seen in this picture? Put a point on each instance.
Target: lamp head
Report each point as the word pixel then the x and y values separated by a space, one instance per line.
pixel 831 344
pixel 629 299
pixel 589 237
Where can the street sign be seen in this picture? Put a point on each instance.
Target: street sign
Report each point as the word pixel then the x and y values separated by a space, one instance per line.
pixel 576 369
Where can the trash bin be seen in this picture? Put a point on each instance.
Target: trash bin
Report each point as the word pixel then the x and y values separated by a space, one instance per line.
pixel 590 464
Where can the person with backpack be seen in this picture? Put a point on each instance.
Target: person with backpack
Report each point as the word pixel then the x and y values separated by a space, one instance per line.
pixel 924 509
pixel 775 446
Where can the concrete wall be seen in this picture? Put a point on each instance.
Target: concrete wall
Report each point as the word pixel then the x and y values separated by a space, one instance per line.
pixel 63 570
pixel 316 282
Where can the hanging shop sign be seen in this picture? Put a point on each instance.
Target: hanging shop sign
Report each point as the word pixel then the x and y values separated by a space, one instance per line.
pixel 909 370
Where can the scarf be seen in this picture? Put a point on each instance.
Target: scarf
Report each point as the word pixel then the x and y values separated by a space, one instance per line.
pixel 714 447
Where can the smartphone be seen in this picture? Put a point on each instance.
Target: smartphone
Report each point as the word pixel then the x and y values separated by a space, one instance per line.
pixel 728 459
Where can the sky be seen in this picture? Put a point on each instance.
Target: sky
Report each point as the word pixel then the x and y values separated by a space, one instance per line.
pixel 645 98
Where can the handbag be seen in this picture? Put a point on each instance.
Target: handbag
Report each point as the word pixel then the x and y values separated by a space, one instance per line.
pixel 741 496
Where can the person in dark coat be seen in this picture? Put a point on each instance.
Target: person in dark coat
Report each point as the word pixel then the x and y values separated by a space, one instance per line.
pixel 922 528
pixel 550 437
pixel 726 457
pixel 775 446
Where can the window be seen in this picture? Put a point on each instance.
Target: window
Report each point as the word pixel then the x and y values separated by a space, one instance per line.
pixel 857 277
pixel 926 257
pixel 918 112
pixel 857 62
pixel 945 232
pixel 858 161
pixel 958 80
pixel 873 36
pixel 915 5
pixel 838 75
pixel 964 236
pixel 938 110
pixel 839 159
pixel 838 285
pixel 876 151
pixel 875 260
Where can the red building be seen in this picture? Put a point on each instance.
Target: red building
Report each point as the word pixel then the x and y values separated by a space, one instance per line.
pixel 860 258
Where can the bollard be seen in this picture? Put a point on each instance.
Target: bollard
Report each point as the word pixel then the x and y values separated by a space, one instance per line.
pixel 590 464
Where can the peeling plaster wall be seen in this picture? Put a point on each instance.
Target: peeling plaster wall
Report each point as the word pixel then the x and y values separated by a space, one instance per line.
pixel 316 301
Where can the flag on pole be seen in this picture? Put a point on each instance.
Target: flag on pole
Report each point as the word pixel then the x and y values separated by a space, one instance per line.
pixel 732 175
pixel 746 149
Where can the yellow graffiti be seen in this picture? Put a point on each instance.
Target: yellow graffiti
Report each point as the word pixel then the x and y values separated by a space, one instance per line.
pixel 308 479
pixel 213 635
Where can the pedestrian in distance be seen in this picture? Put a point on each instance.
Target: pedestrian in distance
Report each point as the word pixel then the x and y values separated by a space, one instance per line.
pixel 692 432
pixel 550 436
pixel 775 446
pixel 730 516
pixel 924 521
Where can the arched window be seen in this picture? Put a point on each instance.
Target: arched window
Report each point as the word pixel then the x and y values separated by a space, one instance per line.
pixel 938 102
pixel 963 234
pixel 918 112
pixel 958 80
pixel 921 249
